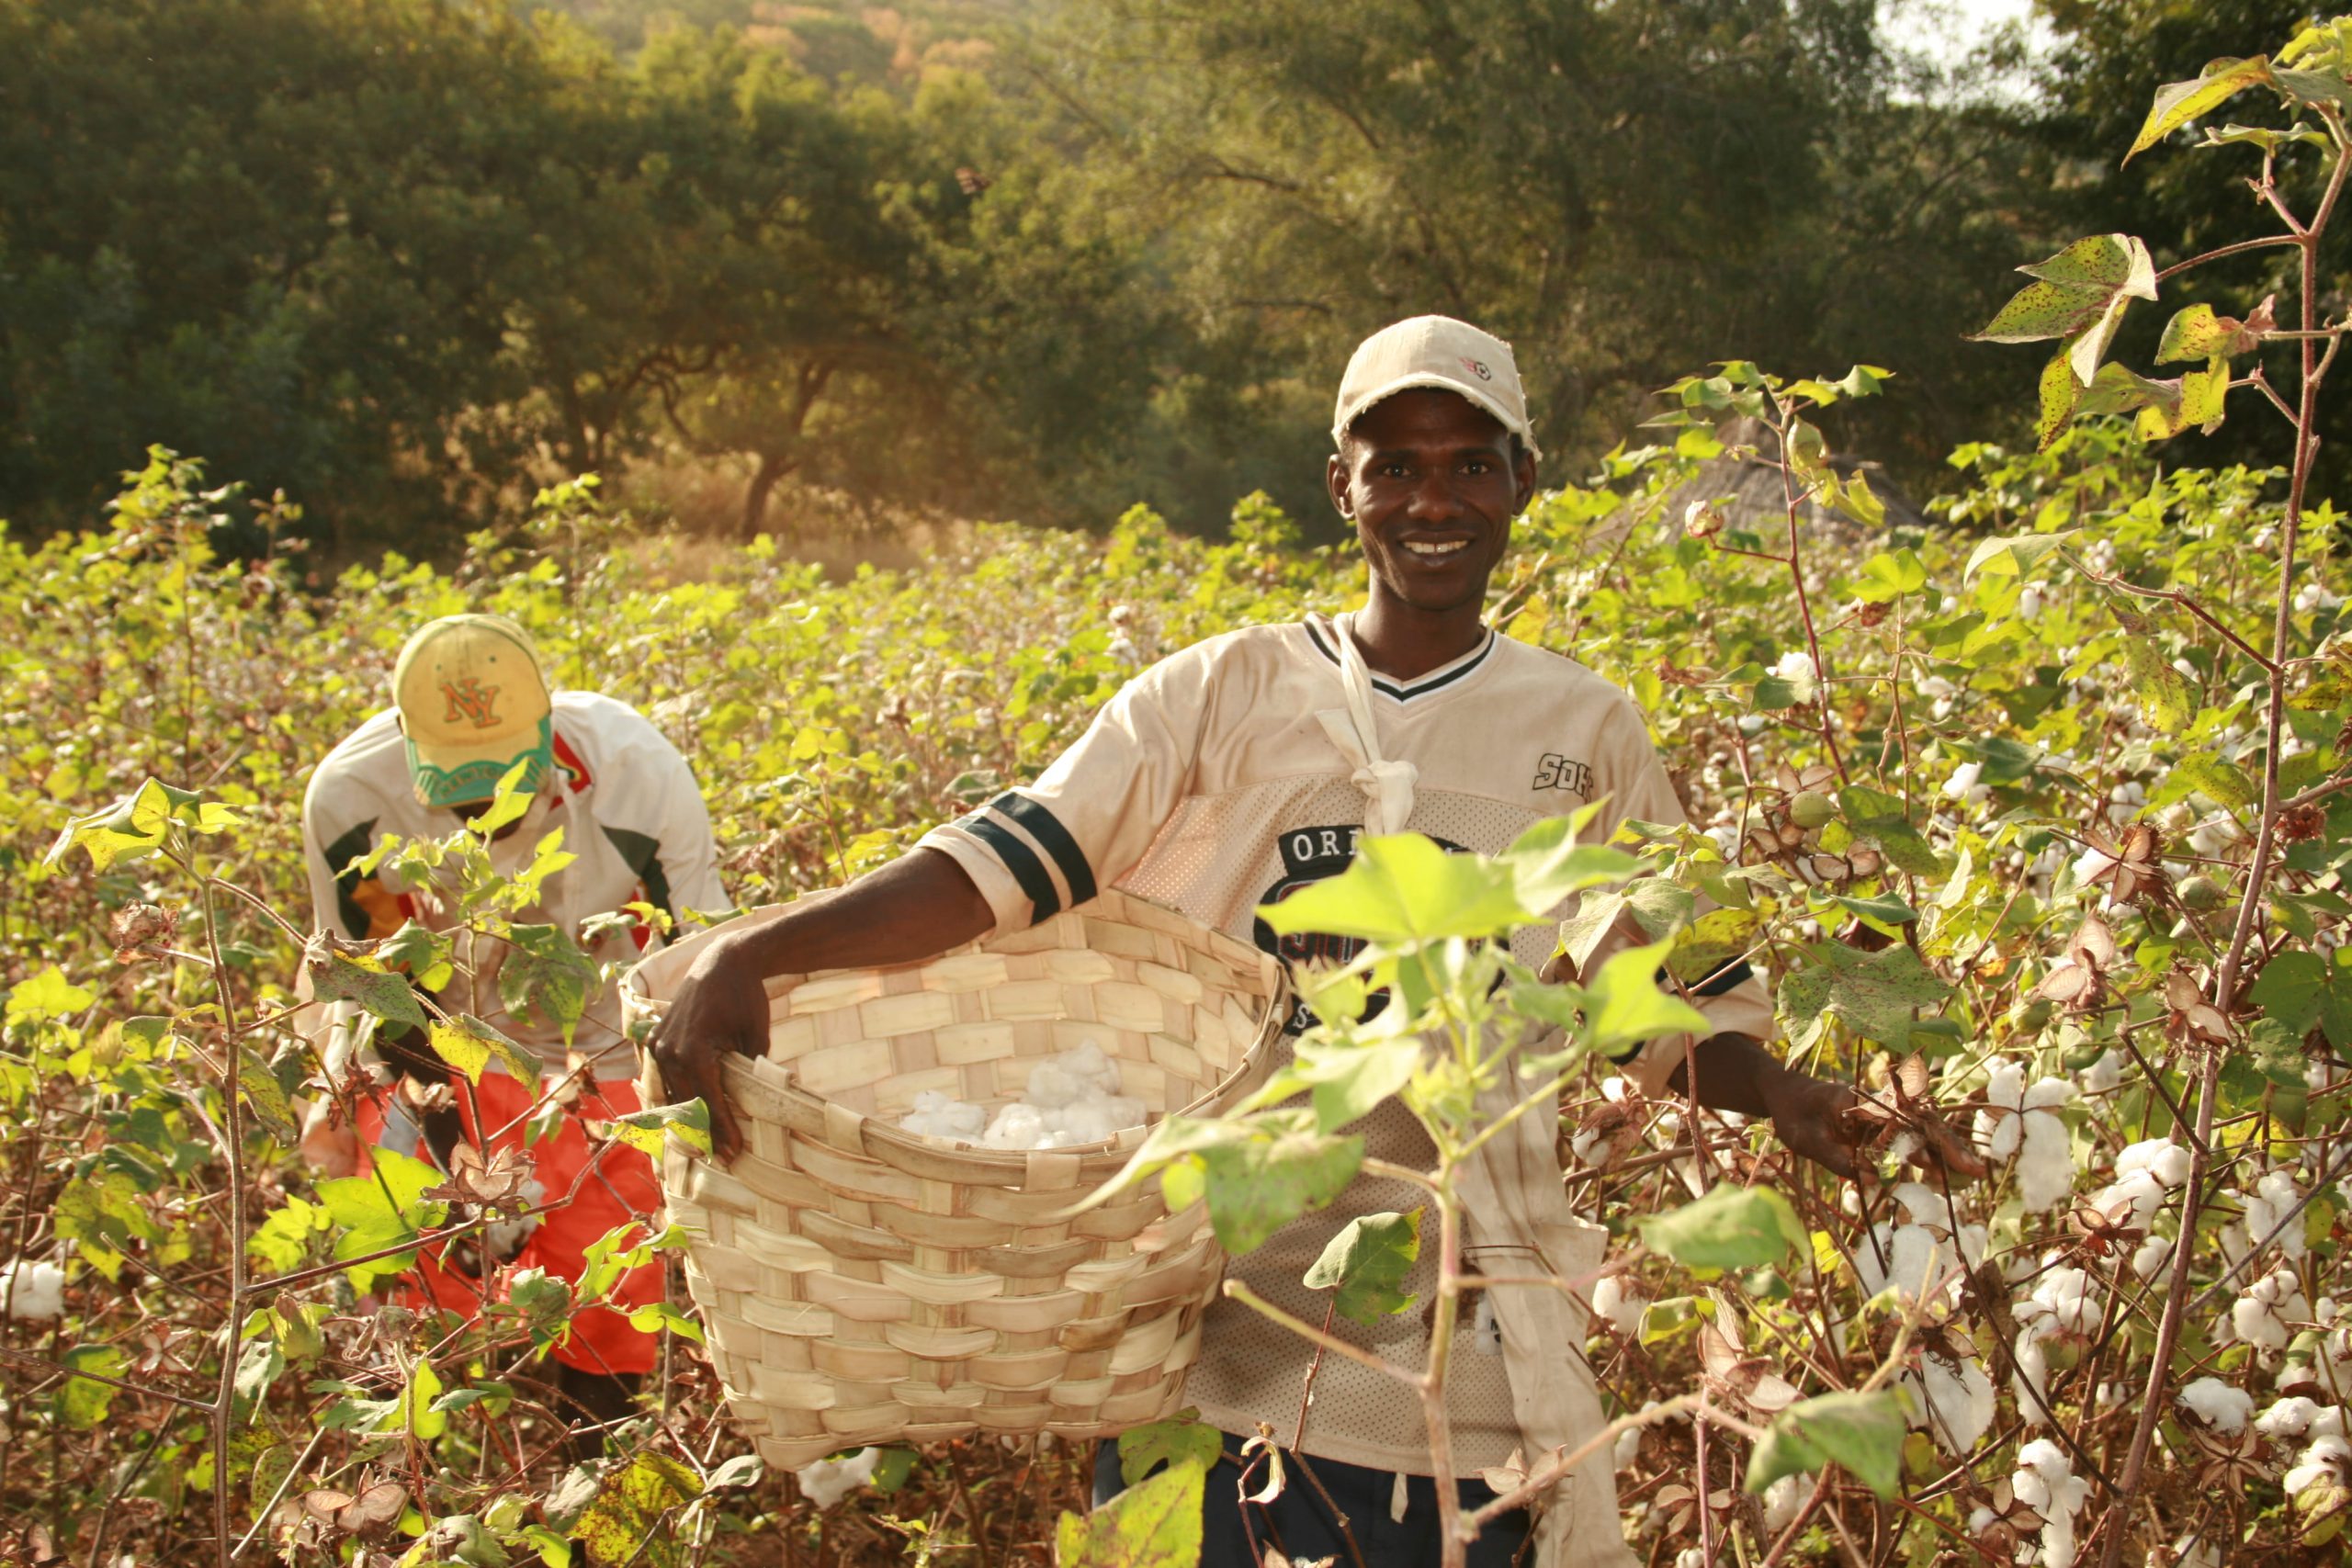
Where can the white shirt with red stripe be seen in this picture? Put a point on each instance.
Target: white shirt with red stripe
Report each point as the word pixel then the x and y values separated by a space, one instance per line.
pixel 630 809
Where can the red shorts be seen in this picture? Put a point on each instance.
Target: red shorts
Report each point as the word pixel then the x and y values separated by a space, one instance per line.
pixel 623 1187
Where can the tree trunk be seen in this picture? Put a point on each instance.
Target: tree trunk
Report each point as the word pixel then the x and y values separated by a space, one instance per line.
pixel 773 467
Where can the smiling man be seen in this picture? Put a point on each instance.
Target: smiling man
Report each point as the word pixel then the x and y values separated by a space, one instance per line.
pixel 1247 767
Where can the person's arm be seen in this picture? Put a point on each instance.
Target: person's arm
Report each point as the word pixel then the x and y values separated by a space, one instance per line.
pixel 1735 1070
pixel 1736 1073
pixel 916 908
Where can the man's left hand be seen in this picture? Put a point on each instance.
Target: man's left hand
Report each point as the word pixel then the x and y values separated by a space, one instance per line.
pixel 1808 1115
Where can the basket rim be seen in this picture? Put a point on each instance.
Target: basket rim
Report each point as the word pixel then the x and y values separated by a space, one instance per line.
pixel 1103 1154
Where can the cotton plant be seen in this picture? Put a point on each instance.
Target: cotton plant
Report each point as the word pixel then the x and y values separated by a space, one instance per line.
pixel 2267 1313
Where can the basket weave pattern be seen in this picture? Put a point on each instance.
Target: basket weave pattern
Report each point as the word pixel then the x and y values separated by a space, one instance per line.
pixel 860 1283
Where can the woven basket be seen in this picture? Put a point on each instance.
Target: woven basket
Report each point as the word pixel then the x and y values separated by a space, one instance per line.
pixel 863 1284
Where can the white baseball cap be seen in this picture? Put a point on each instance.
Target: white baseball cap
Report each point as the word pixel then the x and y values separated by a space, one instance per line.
pixel 1434 351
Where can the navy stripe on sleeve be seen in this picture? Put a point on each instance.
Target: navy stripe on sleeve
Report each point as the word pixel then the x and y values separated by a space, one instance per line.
pixel 1019 859
pixel 1047 830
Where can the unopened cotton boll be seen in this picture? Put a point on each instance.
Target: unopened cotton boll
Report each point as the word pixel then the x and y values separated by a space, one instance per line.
pixel 828 1481
pixel 2220 1405
pixel 34 1291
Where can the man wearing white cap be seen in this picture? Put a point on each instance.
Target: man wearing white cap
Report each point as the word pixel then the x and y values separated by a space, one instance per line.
pixel 470 702
pixel 1243 768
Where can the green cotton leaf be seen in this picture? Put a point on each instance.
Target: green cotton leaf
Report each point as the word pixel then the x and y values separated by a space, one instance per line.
pixel 2013 555
pixel 259 1088
pixel 1884 820
pixel 1887 910
pixel 688 1122
pixel 338 978
pixel 1874 993
pixel 2197 333
pixel 1257 1185
pixel 1774 693
pixel 468 1043
pixel 1546 865
pixel 655 1316
pixel 83 1402
pixel 1152 1524
pixel 623 1524
pixel 1731 1227
pixel 1623 1005
pixel 2057 396
pixel 508 802
pixel 283 1240
pixel 2166 700
pixel 418 951
pixel 1367 1262
pixel 139 823
pixel 1180 1440
pixel 892 1470
pixel 1583 931
pixel 1709 942
pixel 2115 263
pixel 1889 575
pixel 1403 889
pixel 2288 989
pixel 1861 1431
pixel 2177 103
pixel 259 1361
pixel 546 969
pixel 1346 1078
pixel 385 1208
pixel 2225 783
pixel 2041 311
pixel 47 995
pixel 743 1470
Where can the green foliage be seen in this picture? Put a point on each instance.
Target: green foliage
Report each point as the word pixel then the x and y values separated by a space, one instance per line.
pixel 1152 1524
pixel 1862 1432
pixel 1731 1227
pixel 1366 1262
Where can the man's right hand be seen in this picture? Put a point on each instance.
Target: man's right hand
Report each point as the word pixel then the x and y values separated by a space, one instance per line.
pixel 722 1006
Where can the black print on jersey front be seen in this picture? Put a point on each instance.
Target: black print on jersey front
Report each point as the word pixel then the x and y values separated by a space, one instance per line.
pixel 1555 772
pixel 1309 855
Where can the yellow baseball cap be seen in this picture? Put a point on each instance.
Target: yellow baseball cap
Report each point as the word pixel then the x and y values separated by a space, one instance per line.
pixel 473 702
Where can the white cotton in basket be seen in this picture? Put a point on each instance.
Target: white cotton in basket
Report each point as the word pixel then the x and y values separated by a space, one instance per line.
pixel 1072 1098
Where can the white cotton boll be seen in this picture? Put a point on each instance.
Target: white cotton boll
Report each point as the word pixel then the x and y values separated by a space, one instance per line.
pixel 2214 836
pixel 2063 1302
pixel 2030 600
pixel 2289 1418
pixel 1998 1129
pixel 2262 1316
pixel 1628 1447
pixel 2104 1074
pixel 2046 1482
pixel 2151 1256
pixel 1019 1126
pixel 1784 1500
pixel 1797 667
pixel 828 1481
pixel 1955 1403
pixel 2275 1197
pixel 2090 863
pixel 937 1115
pixel 2031 1378
pixel 34 1291
pixel 2161 1158
pixel 1691 1557
pixel 1052 1084
pixel 1620 1302
pixel 2045 1168
pixel 2221 1406
pixel 2328 1459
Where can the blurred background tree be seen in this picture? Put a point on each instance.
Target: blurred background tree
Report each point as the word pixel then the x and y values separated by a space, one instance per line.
pixel 761 262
